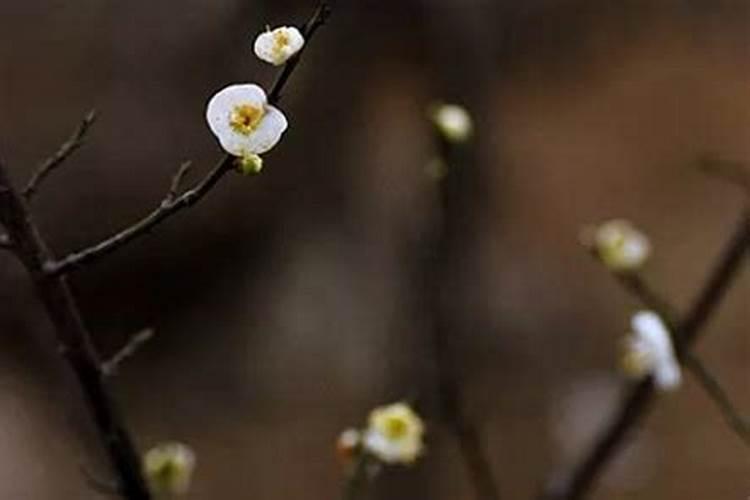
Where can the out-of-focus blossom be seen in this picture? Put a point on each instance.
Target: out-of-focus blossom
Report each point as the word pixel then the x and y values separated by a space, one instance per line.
pixel 169 468
pixel 453 122
pixel 649 350
pixel 279 45
pixel 394 434
pixel 620 245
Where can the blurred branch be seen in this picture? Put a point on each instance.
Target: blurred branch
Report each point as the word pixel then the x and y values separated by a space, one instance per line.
pixel 636 403
pixel 5 243
pixel 736 421
pixel 453 194
pixel 110 367
pixel 69 147
pixel 172 204
pixel 356 478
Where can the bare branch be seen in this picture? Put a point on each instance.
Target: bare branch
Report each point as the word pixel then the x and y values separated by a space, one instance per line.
pixel 171 204
pixel 174 188
pixel 737 422
pixel 69 147
pixel 110 368
pixel 636 403
pixel 168 207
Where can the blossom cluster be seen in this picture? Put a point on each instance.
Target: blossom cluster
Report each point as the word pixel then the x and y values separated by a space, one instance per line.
pixel 245 123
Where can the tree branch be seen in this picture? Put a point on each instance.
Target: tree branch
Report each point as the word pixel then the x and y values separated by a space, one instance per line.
pixel 734 419
pixel 168 207
pixel 69 147
pixel 110 367
pixel 73 338
pixel 636 403
pixel 171 204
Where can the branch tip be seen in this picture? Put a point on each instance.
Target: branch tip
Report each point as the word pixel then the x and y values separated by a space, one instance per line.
pixel 110 368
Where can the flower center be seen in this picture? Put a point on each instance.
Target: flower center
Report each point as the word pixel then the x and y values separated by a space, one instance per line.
pixel 395 427
pixel 245 118
pixel 280 42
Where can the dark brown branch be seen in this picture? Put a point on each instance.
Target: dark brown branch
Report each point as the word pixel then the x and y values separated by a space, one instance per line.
pixel 172 204
pixel 110 368
pixel 73 340
pixel 69 147
pixel 168 207
pixel 734 419
pixel 636 403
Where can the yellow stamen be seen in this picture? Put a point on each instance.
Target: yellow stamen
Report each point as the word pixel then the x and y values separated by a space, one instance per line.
pixel 395 427
pixel 245 118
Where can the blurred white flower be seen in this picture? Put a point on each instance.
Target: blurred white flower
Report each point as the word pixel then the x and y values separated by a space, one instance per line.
pixel 243 121
pixel 621 246
pixel 453 122
pixel 649 350
pixel 277 46
pixel 394 434
pixel 169 468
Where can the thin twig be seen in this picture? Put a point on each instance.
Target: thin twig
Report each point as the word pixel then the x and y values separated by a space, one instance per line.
pixel 636 403
pixel 172 204
pixel 737 422
pixel 168 207
pixel 110 368
pixel 69 147
pixel 174 188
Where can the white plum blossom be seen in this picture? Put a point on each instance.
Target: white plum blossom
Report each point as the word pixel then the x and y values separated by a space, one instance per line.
pixel 453 122
pixel 169 468
pixel 279 45
pixel 649 351
pixel 243 121
pixel 394 434
pixel 621 246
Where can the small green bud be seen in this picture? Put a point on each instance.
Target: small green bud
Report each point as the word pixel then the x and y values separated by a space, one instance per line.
pixel 250 164
pixel 169 468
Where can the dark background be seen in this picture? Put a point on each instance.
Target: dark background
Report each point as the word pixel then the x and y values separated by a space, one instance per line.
pixel 286 306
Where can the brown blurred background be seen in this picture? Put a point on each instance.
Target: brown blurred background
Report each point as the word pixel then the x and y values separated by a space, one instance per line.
pixel 284 305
